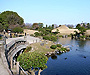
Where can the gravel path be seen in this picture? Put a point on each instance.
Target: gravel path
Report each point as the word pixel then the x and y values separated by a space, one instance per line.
pixel 29 39
pixel 3 63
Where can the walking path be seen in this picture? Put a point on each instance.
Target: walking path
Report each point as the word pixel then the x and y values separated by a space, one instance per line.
pixel 3 63
pixel 28 38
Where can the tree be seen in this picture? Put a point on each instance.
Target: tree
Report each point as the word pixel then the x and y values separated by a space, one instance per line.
pixel 1 27
pixel 32 60
pixel 17 30
pixel 40 25
pixel 78 26
pixel 70 26
pixel 82 30
pixel 35 26
pixel 46 26
pixel 8 18
pixel 88 25
pixel 36 34
pixel 52 26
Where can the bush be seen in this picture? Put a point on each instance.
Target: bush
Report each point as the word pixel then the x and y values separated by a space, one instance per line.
pixel 53 46
pixel 83 36
pixel 17 30
pixel 28 49
pixel 60 35
pixel 46 37
pixel 62 49
pixel 32 60
pixel 0 37
pixel 31 35
pixel 51 38
pixel 59 45
pixel 36 34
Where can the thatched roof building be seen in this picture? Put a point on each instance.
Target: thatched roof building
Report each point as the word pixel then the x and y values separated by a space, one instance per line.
pixel 64 30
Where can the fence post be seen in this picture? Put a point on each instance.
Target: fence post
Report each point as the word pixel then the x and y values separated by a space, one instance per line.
pixel 11 62
pixel 17 68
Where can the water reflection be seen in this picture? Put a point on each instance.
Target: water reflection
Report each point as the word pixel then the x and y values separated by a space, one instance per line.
pixel 81 43
pixel 53 57
pixel 74 62
pixel 64 41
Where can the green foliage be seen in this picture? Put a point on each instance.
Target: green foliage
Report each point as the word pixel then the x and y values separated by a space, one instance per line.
pixel 17 30
pixel 46 37
pixel 32 59
pixel 78 26
pixel 0 37
pixel 12 18
pixel 51 38
pixel 8 18
pixel 62 49
pixel 1 27
pixel 83 36
pixel 36 34
pixel 31 35
pixel 59 45
pixel 53 46
pixel 36 26
pixel 40 25
pixel 82 29
pixel 60 35
pixel 28 49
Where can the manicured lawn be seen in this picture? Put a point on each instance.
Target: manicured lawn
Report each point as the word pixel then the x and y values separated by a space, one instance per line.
pixel 42 47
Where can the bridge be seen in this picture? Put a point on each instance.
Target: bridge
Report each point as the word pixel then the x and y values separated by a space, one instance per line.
pixel 14 48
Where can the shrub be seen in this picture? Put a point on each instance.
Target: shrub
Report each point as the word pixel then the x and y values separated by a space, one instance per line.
pixel 53 46
pixel 28 49
pixel 63 49
pixel 46 37
pixel 59 45
pixel 31 35
pixel 17 30
pixel 83 36
pixel 32 59
pixel 60 35
pixel 36 34
pixel 51 38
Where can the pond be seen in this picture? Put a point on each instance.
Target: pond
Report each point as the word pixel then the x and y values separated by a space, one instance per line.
pixel 77 62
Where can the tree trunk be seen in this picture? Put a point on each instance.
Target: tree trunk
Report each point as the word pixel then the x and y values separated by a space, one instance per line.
pixel 32 72
pixel 39 72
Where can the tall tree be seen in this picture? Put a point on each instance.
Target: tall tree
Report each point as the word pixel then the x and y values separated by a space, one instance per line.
pixel 9 18
pixel 88 25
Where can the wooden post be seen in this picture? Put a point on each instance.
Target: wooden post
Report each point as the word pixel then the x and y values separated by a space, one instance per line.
pixel 11 62
pixel 17 68
pixel 14 63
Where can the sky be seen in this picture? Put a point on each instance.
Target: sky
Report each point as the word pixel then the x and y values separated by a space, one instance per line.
pixel 49 12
